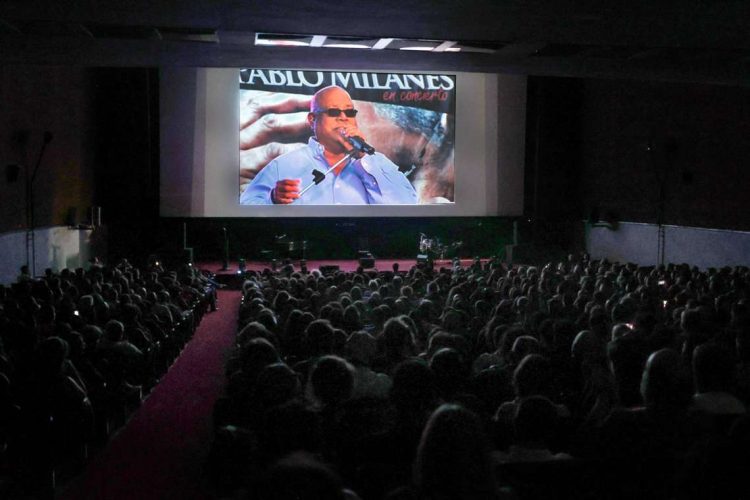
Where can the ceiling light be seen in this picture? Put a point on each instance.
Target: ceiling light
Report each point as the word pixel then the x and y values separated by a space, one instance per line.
pixel 347 46
pixel 353 42
pixel 279 40
pixel 382 43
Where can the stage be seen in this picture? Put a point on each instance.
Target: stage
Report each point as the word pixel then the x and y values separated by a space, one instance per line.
pixel 231 277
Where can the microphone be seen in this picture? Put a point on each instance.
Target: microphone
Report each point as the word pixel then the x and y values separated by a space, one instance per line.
pixel 358 143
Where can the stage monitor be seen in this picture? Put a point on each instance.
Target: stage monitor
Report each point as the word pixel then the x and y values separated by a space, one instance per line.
pixel 256 142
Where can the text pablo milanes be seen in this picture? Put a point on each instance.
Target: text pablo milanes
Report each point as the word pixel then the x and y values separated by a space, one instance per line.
pixel 367 81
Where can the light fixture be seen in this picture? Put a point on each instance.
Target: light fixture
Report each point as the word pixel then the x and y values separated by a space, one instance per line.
pixel 382 43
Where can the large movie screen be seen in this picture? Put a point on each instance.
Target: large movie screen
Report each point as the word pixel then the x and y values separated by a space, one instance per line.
pixel 346 138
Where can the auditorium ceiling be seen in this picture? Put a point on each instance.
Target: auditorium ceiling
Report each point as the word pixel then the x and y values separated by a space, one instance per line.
pixel 688 40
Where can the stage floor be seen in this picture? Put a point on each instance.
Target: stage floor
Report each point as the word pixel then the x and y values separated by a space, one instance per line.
pixel 344 264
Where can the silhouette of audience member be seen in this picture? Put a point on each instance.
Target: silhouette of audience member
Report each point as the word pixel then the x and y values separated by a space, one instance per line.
pixel 535 424
pixel 360 349
pixel 385 458
pixel 330 386
pixel 532 377
pixel 58 412
pixel 714 374
pixel 451 373
pixel 331 381
pixel 395 344
pixel 125 360
pixel 300 476
pixel 453 458
pixel 661 428
pixel 627 356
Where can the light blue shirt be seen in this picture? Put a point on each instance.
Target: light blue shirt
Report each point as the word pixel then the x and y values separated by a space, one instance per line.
pixel 371 180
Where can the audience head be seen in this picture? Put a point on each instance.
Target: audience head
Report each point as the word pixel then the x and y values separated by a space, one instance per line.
pixel 276 384
pixel 414 387
pixel 666 383
pixel 587 346
pixel 453 459
pixel 535 422
pixel 627 356
pixel 331 381
pixel 713 368
pixel 532 376
pixel 360 348
pixel 114 331
pixel 523 346
pixel 254 330
pixel 319 338
pixel 255 355
pixel 300 476
pixel 51 355
pixel 397 341
pixel 451 371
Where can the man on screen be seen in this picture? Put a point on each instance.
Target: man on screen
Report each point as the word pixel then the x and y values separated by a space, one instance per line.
pixel 360 180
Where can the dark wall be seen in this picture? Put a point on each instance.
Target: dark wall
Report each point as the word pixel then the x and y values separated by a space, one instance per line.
pixel 127 149
pixel 552 202
pixel 592 145
pixel 35 100
pixel 635 151
pixel 692 140
pixel 620 147
pixel 127 179
pixel 342 238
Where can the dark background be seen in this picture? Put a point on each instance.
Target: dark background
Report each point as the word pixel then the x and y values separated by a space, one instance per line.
pixel 594 146
pixel 636 111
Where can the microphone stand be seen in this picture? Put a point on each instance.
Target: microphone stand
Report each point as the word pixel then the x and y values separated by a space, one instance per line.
pixel 30 216
pixel 318 176
pixel 225 256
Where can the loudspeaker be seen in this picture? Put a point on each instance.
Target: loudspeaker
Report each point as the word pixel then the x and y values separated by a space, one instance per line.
pixel 326 270
pixel 95 216
pixel 11 172
pixel 367 262
pixel 71 219
pixel 365 258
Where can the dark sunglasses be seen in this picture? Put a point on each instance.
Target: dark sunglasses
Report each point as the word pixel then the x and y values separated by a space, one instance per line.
pixel 336 112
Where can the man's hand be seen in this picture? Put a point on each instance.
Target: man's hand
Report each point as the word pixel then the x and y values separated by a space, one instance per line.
pixel 270 125
pixel 351 131
pixel 286 191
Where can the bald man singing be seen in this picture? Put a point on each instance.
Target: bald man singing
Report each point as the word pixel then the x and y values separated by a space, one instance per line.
pixel 360 180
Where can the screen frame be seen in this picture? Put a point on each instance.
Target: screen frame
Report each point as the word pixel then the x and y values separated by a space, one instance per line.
pixel 199 149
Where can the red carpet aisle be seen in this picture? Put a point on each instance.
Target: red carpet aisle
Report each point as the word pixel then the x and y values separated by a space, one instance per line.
pixel 160 452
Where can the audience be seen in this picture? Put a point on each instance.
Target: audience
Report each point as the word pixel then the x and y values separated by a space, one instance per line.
pixel 77 352
pixel 453 458
pixel 578 371
pixel 607 379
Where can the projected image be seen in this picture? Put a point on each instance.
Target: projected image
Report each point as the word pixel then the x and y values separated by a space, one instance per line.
pixel 330 138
